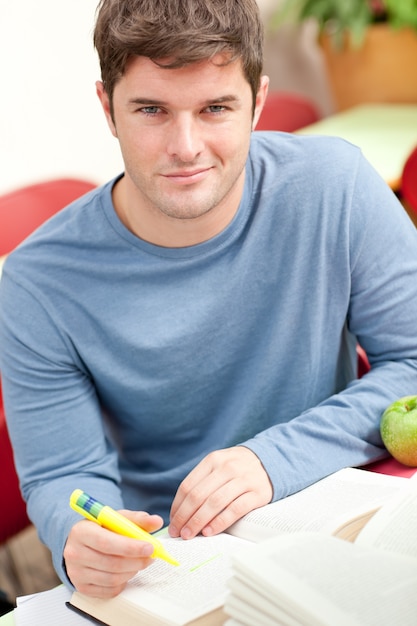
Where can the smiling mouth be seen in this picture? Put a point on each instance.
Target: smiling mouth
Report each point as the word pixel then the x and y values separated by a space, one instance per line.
pixel 188 177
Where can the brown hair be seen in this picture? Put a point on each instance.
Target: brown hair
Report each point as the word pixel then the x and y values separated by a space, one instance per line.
pixel 179 31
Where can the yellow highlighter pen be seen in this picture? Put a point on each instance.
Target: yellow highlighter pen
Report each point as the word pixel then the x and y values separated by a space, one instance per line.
pixel 112 520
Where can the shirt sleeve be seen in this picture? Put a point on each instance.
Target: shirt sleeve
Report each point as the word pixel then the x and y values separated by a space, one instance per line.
pixel 343 430
pixel 40 371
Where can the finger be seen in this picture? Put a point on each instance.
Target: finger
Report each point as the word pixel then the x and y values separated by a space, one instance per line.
pixel 225 504
pixel 105 542
pixel 212 472
pixel 192 493
pixel 97 591
pixel 191 482
pixel 99 557
pixel 233 512
pixel 150 523
pixel 235 472
pixel 108 581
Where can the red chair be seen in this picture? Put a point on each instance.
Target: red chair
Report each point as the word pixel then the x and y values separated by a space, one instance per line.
pixel 363 363
pixel 409 183
pixel 23 210
pixel 14 517
pixel 287 112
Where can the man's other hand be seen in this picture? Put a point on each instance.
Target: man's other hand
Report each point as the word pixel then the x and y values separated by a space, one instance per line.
pixel 222 488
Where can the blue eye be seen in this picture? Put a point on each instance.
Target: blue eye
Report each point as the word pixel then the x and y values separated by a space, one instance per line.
pixel 216 108
pixel 150 110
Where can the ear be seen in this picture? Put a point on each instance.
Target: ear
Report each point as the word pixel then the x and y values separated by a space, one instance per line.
pixel 105 103
pixel 260 99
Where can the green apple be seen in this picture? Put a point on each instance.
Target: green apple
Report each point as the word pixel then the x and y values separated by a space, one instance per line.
pixel 399 430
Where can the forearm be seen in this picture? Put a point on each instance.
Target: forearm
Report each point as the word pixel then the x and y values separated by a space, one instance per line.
pixel 342 431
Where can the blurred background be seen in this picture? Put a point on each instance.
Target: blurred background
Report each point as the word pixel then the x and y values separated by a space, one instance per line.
pixel 51 123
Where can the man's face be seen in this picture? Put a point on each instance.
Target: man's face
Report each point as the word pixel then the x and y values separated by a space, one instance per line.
pixel 184 135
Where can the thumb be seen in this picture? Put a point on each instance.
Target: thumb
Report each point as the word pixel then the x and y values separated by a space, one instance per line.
pixel 148 522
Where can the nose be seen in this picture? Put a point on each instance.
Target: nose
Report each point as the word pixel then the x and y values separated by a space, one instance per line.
pixel 185 138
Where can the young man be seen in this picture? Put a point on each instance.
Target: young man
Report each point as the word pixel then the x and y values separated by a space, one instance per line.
pixel 182 340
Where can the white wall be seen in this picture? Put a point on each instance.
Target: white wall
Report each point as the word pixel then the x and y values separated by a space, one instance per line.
pixel 51 123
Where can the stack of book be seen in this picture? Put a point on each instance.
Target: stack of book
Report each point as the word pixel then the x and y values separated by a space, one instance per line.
pixel 308 579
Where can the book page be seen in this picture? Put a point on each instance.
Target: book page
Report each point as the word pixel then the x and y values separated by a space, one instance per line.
pixel 394 527
pixel 46 608
pixel 167 594
pixel 203 572
pixel 323 581
pixel 324 506
pixel 255 596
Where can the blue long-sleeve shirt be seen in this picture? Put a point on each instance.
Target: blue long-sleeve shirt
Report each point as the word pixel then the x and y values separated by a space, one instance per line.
pixel 124 363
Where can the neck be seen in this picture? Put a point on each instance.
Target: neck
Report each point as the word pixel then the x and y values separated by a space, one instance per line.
pixel 155 227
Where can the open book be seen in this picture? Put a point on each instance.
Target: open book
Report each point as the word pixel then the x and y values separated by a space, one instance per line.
pixel 194 593
pixel 311 579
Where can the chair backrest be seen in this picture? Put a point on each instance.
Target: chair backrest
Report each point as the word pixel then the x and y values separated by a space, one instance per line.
pixel 26 208
pixel 14 518
pixel 21 212
pixel 287 112
pixel 363 363
pixel 409 182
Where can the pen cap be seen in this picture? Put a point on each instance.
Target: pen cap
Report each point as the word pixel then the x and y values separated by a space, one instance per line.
pixel 85 505
pixel 107 517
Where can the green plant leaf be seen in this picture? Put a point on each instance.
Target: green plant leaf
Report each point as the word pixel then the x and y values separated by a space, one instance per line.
pixel 339 17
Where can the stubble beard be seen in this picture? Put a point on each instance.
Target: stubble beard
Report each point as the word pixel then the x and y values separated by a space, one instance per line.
pixel 194 204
